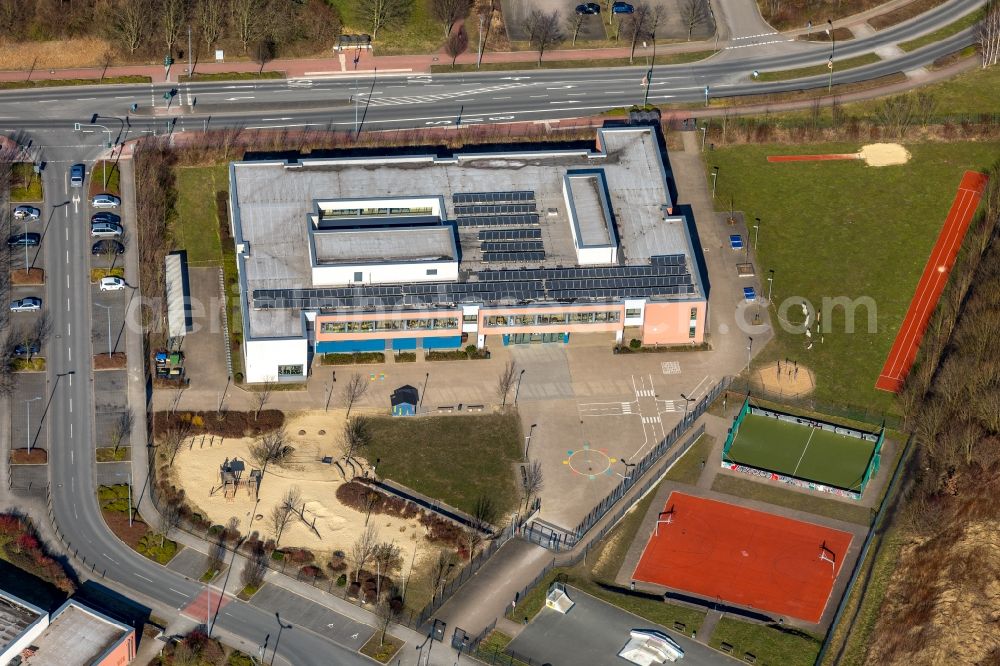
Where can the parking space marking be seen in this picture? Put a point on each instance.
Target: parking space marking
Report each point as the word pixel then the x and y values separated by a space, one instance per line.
pixel 671 367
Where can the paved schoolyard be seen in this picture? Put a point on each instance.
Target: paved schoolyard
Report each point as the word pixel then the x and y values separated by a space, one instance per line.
pixel 592 633
pixel 304 613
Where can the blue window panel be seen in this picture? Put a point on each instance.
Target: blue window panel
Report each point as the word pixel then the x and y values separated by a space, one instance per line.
pixel 449 342
pixel 506 339
pixel 403 344
pixel 349 346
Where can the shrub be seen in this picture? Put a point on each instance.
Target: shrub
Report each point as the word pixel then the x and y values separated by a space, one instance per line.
pixel 354 589
pixel 635 343
pixel 337 562
pixel 299 555
pixel 278 556
pixel 342 580
pixel 312 571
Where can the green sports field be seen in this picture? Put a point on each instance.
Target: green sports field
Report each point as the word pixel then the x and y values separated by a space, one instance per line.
pixel 801 451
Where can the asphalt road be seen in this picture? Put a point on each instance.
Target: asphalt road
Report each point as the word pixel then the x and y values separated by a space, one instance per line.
pixel 389 101
pixel 47 117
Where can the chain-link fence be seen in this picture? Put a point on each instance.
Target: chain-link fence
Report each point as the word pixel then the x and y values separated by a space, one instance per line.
pixel 869 415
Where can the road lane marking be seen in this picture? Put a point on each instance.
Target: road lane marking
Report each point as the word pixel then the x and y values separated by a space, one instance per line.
pixel 110 558
pixel 69 329
pixel 177 591
pixel 67 256
pixel 71 430
pixel 69 352
pixel 142 577
pixel 67 281
pixel 71 405
pixel 67 233
pixel 67 305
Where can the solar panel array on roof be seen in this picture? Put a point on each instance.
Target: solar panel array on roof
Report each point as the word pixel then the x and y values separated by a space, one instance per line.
pixel 512 246
pixel 492 197
pixel 512 257
pixel 668 259
pixel 526 233
pixel 497 220
pixel 495 209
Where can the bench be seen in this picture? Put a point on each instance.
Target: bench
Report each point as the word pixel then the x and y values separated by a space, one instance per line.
pixel 727 648
pixel 680 626
pixel 749 658
pixel 447 408
pixel 475 408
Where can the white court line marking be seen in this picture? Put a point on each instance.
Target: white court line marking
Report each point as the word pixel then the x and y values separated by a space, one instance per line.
pixel 804 449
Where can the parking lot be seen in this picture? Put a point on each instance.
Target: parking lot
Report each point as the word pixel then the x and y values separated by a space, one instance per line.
pixel 28 427
pixel 109 313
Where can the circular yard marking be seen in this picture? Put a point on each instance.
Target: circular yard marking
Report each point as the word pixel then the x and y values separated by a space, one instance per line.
pixel 589 462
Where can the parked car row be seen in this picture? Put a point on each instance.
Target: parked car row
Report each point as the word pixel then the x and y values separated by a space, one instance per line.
pixel 592 8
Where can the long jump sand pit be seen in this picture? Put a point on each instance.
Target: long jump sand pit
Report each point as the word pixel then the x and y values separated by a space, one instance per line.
pixel 874 155
pixel 197 470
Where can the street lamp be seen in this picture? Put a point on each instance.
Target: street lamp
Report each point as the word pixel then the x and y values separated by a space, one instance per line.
pixel 715 178
pixel 108 308
pixel 27 434
pixel 833 48
pixel 756 231
pixel 649 74
pixel 281 627
pixel 527 440
pixel 704 131
pixel 687 401
pixel 427 377
pixel 749 351
pixel 770 280
pixel 517 389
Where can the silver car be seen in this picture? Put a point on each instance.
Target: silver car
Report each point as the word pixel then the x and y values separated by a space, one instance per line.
pixel 105 230
pixel 29 304
pixel 27 213
pixel 105 201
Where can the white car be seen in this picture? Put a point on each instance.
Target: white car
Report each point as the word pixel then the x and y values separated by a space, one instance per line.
pixel 105 201
pixel 27 213
pixel 112 284
pixel 29 304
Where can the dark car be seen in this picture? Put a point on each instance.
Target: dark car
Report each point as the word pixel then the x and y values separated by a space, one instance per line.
pixel 27 350
pixel 589 8
pixel 107 246
pixel 622 8
pixel 20 240
pixel 105 217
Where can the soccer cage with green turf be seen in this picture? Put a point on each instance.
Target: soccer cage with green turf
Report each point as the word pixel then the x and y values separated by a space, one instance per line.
pixel 802 451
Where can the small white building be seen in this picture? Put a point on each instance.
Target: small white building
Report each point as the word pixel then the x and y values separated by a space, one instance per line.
pixel 646 647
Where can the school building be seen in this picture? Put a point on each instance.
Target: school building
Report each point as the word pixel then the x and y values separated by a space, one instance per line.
pixel 403 252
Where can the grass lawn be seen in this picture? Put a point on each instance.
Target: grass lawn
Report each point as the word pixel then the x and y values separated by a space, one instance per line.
pixel 56 83
pixel 97 273
pixel 380 650
pixel 771 646
pixel 815 70
pixel 36 364
pixel 801 501
pixel 902 13
pixel 841 229
pixel 669 59
pixel 109 454
pixel 942 33
pixel 419 33
pixel 231 76
pixel 25 184
pixel 105 177
pixel 196 225
pixel 688 468
pixel 492 648
pixel 968 92
pixel 455 459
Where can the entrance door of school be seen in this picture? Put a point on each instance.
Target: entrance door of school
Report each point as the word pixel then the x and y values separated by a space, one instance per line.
pixel 536 338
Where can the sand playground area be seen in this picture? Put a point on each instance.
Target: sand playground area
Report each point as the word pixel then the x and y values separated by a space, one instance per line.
pixel 786 379
pixel 197 470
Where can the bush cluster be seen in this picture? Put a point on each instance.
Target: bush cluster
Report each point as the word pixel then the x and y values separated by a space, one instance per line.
pixel 226 424
pixel 22 548
pixel 357 496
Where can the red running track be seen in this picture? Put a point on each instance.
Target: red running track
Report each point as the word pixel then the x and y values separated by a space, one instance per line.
pixel 932 282
pixel 751 558
pixel 812 158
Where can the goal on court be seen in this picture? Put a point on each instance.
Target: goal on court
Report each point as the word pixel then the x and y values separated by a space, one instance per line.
pixel 664 518
pixel 827 555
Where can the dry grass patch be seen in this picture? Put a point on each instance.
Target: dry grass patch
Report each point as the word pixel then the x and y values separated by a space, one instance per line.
pixel 114 362
pixel 36 456
pixel 903 13
pixel 55 54
pixel 33 276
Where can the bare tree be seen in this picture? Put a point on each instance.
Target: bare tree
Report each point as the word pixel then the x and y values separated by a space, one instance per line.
pixel 989 33
pixel 446 12
pixel 122 429
pixel 386 557
pixel 271 447
pixel 505 382
pixel 130 20
pixel 544 30
pixel 363 549
pixel 249 20
pixel 216 553
pixel 356 435
pixel 354 390
pixel 372 498
pixel 170 515
pixel 458 42
pixel 282 512
pixel 378 14
pixel 534 481
pixel 693 14
pixel 636 25
pixel 210 15
pixel 255 567
pixel 173 18
pixel 173 439
pixel 442 567
pixel 575 22
pixel 387 607
pixel 483 515
pixel 262 394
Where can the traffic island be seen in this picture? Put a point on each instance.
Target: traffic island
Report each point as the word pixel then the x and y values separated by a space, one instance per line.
pixel 382 649
pixel 36 364
pixel 112 454
pixel 30 277
pixel 34 456
pixel 115 361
